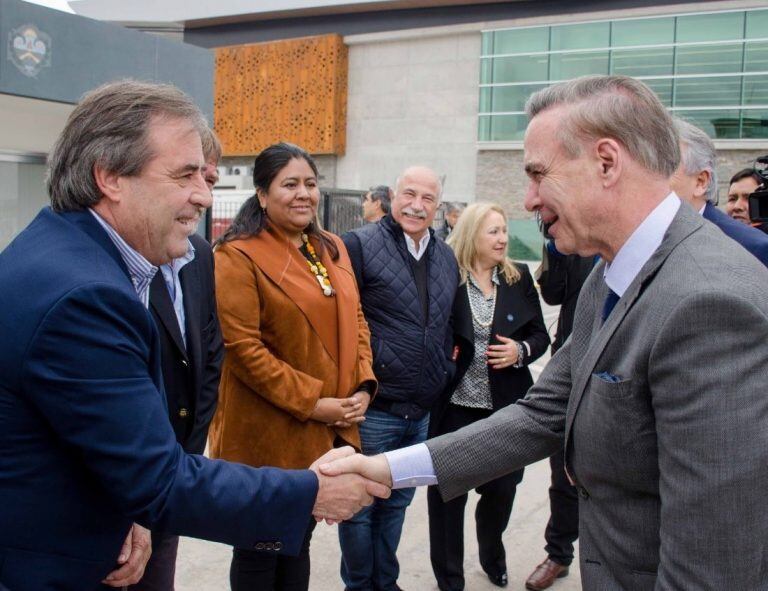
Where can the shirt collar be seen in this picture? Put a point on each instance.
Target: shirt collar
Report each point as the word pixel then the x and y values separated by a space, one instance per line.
pixel 641 245
pixel 139 268
pixel 494 279
pixel 417 250
pixel 177 264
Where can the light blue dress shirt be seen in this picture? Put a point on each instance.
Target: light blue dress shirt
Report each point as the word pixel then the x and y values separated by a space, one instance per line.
pixel 412 466
pixel 170 273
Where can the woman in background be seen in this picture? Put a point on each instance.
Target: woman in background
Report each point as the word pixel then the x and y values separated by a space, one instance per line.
pixel 297 376
pixel 498 330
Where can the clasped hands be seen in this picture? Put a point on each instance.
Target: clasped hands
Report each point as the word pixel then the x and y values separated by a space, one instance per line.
pixel 348 482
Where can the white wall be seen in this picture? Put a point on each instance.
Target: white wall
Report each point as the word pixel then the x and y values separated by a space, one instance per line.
pixel 412 101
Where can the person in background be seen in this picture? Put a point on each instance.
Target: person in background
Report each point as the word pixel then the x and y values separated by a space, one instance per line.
pixel 498 330
pixel 695 182
pixel 740 187
pixel 407 282
pixel 297 375
pixel 183 304
pixel 376 203
pixel 453 211
pixel 560 278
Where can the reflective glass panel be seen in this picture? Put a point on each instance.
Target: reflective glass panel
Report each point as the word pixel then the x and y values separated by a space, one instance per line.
pixel 756 56
pixel 709 59
pixel 755 90
pixel 581 36
pixel 757 24
pixel 486 70
pixel 564 66
pixel 487 43
pixel 663 89
pixel 484 128
pixel 701 92
pixel 717 124
pixel 710 27
pixel 645 31
pixel 507 98
pixel 520 69
pixel 507 128
pixel 642 62
pixel 521 40
pixel 754 124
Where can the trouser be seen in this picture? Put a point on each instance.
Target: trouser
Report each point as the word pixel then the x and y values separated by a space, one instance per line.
pixel 160 571
pixel 255 570
pixel 563 527
pixel 369 540
pixel 446 520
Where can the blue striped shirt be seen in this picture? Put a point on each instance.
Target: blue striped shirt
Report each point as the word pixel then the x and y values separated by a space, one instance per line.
pixel 139 268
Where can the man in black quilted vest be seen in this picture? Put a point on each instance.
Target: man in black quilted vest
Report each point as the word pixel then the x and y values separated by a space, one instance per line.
pixel 407 280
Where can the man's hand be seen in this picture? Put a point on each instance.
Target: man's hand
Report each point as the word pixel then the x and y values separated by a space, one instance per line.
pixel 134 556
pixel 340 497
pixel 371 467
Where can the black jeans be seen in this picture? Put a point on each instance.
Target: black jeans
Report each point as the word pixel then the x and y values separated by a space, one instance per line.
pixel 254 570
pixel 563 527
pixel 446 520
pixel 161 568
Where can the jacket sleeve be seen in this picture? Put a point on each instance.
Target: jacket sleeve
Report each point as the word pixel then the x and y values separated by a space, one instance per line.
pixel 364 354
pixel 87 371
pixel 535 331
pixel 252 362
pixel 554 280
pixel 712 441
pixel 355 251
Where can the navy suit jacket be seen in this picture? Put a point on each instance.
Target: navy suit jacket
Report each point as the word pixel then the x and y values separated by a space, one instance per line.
pixel 85 443
pixel 750 238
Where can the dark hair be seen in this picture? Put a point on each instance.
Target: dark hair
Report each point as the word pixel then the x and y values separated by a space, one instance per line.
pixel 743 174
pixel 252 218
pixel 381 193
pixel 110 128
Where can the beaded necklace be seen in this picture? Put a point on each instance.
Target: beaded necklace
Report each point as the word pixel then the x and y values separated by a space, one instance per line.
pixel 317 268
pixel 476 316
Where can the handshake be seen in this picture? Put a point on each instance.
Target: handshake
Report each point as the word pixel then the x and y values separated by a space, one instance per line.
pixel 348 482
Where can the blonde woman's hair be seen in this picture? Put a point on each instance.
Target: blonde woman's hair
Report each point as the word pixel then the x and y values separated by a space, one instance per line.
pixel 463 240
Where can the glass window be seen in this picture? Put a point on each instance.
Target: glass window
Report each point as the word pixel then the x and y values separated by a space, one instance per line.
pixel 531 68
pixel 508 127
pixel 700 92
pixel 486 70
pixel 642 62
pixel 663 89
pixel 756 56
pixel 521 40
pixel 507 98
pixel 720 26
pixel 709 59
pixel 755 90
pixel 484 128
pixel 564 66
pixel 717 124
pixel 754 124
pixel 581 36
pixel 645 31
pixel 487 43
pixel 757 24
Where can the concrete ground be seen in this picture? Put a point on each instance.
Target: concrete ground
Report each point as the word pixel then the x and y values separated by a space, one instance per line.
pixel 204 566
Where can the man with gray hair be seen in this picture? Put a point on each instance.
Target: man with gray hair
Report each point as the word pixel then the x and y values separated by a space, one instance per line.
pixel 695 181
pixel 452 210
pixel 89 451
pixel 658 396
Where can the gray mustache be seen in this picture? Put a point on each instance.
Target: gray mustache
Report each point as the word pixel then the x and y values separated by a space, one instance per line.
pixel 418 214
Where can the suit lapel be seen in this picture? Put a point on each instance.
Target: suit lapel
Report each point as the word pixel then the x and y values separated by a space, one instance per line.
pixel 160 302
pixel 512 309
pixel 462 316
pixel 189 277
pixel 685 222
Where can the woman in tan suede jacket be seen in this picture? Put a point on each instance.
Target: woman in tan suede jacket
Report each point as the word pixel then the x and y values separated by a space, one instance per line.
pixel 297 374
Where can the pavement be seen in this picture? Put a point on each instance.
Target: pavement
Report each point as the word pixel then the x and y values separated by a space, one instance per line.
pixel 204 566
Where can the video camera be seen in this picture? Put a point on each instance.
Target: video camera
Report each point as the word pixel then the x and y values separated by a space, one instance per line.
pixel 758 201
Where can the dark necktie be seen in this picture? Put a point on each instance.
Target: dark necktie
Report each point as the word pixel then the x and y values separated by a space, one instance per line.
pixel 610 303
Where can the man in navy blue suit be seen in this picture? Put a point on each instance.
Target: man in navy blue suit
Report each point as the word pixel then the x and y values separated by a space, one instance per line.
pixel 86 448
pixel 695 181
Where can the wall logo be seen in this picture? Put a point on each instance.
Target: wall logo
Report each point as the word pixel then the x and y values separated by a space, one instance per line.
pixel 29 49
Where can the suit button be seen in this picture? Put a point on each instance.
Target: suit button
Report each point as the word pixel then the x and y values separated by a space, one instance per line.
pixel 269 546
pixel 183 413
pixel 185 363
pixel 259 546
pixel 278 546
pixel 583 493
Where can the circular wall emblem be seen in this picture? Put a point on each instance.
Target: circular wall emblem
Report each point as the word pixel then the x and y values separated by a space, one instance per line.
pixel 29 49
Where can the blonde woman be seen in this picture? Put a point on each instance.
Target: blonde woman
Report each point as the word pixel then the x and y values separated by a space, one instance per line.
pixel 498 330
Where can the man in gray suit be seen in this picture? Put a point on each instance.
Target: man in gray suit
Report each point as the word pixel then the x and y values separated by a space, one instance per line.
pixel 659 394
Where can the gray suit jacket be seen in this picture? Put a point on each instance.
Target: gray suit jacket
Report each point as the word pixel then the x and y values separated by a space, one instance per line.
pixel 664 415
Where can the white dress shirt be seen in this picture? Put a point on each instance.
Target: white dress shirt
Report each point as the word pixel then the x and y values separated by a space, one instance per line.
pixel 417 250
